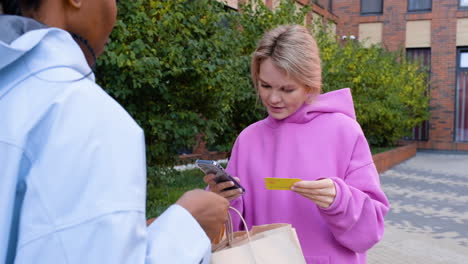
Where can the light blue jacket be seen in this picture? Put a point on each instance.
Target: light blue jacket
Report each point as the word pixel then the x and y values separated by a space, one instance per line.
pixel 72 163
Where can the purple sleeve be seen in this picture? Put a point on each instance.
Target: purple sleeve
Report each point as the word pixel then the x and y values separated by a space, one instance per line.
pixel 239 202
pixel 356 216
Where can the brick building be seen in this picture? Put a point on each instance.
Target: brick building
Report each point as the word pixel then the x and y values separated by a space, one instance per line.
pixel 434 32
pixel 321 9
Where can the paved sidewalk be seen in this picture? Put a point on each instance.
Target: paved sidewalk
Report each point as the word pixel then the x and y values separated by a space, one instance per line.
pixel 428 220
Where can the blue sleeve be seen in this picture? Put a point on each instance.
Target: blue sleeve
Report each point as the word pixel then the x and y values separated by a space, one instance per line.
pixel 177 238
pixel 85 190
pixel 122 237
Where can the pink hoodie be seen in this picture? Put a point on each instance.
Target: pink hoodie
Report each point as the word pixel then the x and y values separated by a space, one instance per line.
pixel 320 140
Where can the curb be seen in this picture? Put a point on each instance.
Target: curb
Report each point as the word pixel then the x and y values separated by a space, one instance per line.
pixel 383 161
pixel 386 160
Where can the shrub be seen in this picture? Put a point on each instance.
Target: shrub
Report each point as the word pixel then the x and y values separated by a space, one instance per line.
pixel 181 68
pixel 388 90
pixel 168 63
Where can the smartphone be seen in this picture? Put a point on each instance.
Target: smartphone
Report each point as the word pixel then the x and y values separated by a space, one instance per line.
pixel 211 166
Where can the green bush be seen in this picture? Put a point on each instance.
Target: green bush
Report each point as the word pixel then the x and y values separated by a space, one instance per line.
pixel 388 91
pixel 181 68
pixel 169 63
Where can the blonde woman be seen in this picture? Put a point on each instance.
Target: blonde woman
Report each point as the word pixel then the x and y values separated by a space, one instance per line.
pixel 338 208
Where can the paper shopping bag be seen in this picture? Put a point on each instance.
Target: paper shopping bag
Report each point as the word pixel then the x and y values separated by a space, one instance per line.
pixel 265 244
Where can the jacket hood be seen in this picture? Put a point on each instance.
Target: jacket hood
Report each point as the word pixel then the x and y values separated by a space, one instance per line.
pixel 13 28
pixel 339 101
pixel 29 48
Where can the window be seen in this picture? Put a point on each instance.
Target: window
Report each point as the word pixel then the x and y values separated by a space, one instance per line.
pixel 325 4
pixel 371 7
pixel 370 33
pixel 461 104
pixel 423 57
pixel 464 60
pixel 464 3
pixel 420 5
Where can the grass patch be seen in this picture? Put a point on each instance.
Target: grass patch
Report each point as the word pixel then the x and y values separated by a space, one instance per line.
pixel 161 196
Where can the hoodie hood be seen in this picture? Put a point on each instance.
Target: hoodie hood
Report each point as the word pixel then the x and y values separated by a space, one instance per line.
pixel 339 101
pixel 29 48
pixel 12 28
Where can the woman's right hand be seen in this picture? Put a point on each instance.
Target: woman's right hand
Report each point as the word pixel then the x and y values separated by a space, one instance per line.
pixel 219 187
pixel 210 210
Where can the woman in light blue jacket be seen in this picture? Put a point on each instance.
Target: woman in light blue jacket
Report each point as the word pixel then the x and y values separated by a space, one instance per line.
pixel 72 161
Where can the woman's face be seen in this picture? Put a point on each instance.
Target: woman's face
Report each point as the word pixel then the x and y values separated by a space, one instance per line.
pixel 281 95
pixel 95 21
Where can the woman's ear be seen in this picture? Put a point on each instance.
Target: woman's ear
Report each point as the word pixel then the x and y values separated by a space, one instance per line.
pixel 74 3
pixel 310 97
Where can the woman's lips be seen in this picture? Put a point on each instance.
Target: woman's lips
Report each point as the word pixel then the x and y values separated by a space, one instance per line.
pixel 276 109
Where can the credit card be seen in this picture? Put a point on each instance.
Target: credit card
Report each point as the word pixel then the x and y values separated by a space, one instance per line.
pixel 280 183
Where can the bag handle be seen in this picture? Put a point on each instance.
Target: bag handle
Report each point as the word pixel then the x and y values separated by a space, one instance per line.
pixel 230 233
pixel 230 228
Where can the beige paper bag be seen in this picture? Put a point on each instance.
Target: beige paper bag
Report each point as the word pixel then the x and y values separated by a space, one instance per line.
pixel 266 244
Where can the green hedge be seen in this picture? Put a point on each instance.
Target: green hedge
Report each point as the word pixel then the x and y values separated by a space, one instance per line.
pixel 181 68
pixel 389 92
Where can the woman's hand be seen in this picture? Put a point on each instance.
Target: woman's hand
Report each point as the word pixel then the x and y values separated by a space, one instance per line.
pixel 322 192
pixel 219 187
pixel 210 210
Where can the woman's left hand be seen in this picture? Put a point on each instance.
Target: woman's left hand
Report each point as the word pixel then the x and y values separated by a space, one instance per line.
pixel 322 192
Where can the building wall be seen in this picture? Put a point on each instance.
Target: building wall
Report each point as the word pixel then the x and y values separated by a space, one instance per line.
pixel 320 10
pixel 436 29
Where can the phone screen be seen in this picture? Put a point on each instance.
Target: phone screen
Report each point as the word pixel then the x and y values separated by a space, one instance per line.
pixel 210 166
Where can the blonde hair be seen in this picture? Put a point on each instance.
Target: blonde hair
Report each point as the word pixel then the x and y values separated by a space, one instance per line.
pixel 292 49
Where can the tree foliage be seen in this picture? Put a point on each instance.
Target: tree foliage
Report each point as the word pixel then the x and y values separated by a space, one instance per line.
pixel 181 68
pixel 389 92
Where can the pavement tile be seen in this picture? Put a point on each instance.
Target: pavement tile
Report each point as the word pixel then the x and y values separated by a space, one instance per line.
pixel 428 219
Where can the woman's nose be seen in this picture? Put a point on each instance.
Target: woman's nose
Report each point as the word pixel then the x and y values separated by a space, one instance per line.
pixel 274 97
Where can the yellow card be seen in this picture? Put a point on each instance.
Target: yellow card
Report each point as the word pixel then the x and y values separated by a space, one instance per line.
pixel 280 183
